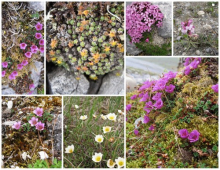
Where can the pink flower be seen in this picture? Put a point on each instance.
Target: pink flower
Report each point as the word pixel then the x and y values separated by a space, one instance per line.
pixel 157 96
pixel 31 92
pixel 39 111
pixel 34 49
pixel 147 40
pixel 136 132
pixel 133 97
pixel 41 42
pixel 146 119
pixel 183 133
pixel 31 86
pixel 151 127
pixel 42 49
pixel 39 26
pixel 16 125
pixel 3 73
pixel 15 73
pixel 33 121
pixel 170 88
pixel 5 64
pixel 158 104
pixel 11 76
pixel 23 46
pixel 19 66
pixel 24 63
pixel 28 54
pixel 40 126
pixel 38 35
pixel 215 88
pixel 194 136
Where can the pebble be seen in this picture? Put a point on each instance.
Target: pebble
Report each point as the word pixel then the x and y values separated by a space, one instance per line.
pixel 207 27
pixel 201 13
pixel 198 52
pixel 208 50
pixel 179 38
pixel 183 54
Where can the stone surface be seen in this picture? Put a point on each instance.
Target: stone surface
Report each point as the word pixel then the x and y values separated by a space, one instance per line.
pixel 131 48
pixel 7 90
pixel 35 74
pixel 37 6
pixel 112 84
pixel 130 83
pixel 63 82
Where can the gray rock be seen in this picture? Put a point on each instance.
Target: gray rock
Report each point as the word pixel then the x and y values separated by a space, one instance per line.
pixel 131 49
pixel 112 84
pixel 130 83
pixel 208 50
pixel 207 27
pixel 201 13
pixel 179 38
pixel 7 90
pixel 63 82
pixel 137 121
pixel 35 74
pixel 37 6
pixel 198 52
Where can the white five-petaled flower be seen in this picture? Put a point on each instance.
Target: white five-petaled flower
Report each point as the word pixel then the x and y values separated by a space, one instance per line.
pixel 99 138
pixel 103 117
pixel 76 106
pixel 112 116
pixel 43 155
pixel 120 162
pixel 97 157
pixel 10 104
pixel 24 156
pixel 107 129
pixel 110 163
pixel 84 117
pixel 69 149
pixel 119 111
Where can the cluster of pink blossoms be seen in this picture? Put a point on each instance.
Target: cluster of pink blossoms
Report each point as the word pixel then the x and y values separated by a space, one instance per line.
pixel 193 136
pixel 140 17
pixel 34 121
pixel 187 27
pixel 155 102
pixel 191 64
pixel 33 49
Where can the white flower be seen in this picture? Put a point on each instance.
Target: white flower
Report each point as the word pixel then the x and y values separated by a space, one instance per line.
pixel 103 117
pixel 43 155
pixel 10 104
pixel 94 115
pixel 24 156
pixel 111 116
pixel 99 138
pixel 97 157
pixel 76 106
pixel 107 129
pixel 69 149
pixel 213 4
pixel 119 111
pixel 120 162
pixel 110 163
pixel 84 117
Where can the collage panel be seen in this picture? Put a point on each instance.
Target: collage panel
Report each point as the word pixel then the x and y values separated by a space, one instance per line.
pixel 195 27
pixel 31 132
pixel 172 113
pixel 22 48
pixel 93 132
pixel 149 28
pixel 85 48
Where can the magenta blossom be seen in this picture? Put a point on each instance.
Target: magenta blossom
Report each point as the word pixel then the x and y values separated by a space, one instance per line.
pixel 31 86
pixel 128 107
pixel 157 96
pixel 215 88
pixel 11 76
pixel 41 42
pixel 42 49
pixel 183 133
pixel 187 70
pixel 39 26
pixel 28 54
pixel 194 136
pixel 24 63
pixel 31 92
pixel 187 27
pixel 38 35
pixel 23 46
pixel 3 73
pixel 170 75
pixel 34 49
pixel 170 88
pixel 146 119
pixel 151 128
pixel 33 121
pixel 19 66
pixel 40 126
pixel 136 132
pixel 16 125
pixel 133 97
pixel 147 40
pixel 158 104
pixel 15 73
pixel 39 111
pixel 5 64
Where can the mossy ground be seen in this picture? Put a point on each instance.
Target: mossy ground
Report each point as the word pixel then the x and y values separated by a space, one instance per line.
pixel 193 105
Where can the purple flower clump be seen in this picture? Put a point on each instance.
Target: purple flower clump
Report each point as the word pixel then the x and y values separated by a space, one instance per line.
pixel 194 136
pixel 190 64
pixel 136 132
pixel 170 88
pixel 146 119
pixel 187 27
pixel 215 88
pixel 183 133
pixel 128 107
pixel 140 16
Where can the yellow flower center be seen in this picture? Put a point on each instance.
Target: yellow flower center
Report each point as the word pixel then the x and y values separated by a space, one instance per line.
pixel 121 163
pixel 98 158
pixel 111 163
pixel 70 150
pixel 107 129
pixel 111 117
pixel 99 139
